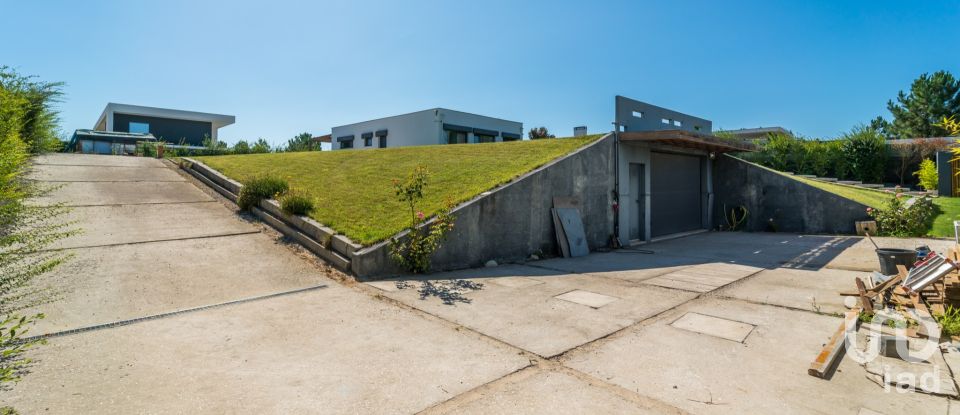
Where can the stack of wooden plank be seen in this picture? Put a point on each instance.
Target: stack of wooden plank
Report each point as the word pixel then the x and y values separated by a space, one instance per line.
pixel 921 292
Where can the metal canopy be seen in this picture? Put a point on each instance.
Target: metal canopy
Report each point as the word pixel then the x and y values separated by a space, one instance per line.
pixel 688 139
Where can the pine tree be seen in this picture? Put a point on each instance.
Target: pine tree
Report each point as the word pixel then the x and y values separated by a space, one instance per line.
pixel 931 98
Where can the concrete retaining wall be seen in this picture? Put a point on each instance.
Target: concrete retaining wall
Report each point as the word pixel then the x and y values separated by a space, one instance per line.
pixel 321 240
pixel 777 202
pixel 514 221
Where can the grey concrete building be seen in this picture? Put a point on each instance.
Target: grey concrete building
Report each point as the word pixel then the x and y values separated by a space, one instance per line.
pixel 168 125
pixel 427 127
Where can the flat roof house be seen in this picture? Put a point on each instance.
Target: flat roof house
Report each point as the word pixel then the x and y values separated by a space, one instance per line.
pixel 168 125
pixel 428 127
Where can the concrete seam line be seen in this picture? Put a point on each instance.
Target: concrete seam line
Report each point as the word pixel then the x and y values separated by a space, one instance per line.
pixel 785 307
pixel 476 393
pixel 619 332
pixel 142 203
pixel 635 397
pixel 167 314
pixel 186 238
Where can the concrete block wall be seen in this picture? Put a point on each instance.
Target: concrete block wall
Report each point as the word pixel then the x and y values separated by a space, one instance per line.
pixel 514 221
pixel 775 201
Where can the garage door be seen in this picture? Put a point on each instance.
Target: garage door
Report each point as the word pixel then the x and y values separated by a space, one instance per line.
pixel 675 196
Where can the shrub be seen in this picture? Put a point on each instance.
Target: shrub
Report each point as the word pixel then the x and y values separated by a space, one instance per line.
pixel 295 202
pixel 414 251
pixel 866 153
pixel 258 188
pixel 912 217
pixel 927 175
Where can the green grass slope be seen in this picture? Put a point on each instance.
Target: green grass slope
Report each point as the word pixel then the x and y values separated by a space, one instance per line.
pixel 354 192
pixel 948 208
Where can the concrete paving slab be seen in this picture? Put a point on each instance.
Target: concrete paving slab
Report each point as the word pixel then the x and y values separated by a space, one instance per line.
pixel 72 159
pixel 714 326
pixel 555 393
pixel 332 351
pixel 102 225
pixel 705 277
pixel 104 285
pixel 384 285
pixel 123 193
pixel 862 255
pixel 103 174
pixel 587 298
pixel 628 265
pixel 515 282
pixel 755 249
pixel 813 290
pixel 767 373
pixel 532 319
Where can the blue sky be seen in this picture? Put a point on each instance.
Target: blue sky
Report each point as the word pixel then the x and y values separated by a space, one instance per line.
pixel 817 68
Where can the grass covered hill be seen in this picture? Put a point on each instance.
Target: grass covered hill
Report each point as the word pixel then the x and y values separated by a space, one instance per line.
pixel 948 208
pixel 353 189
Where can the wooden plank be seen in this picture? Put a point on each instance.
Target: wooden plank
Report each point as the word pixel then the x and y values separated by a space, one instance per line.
pixel 561 236
pixel 865 300
pixel 824 360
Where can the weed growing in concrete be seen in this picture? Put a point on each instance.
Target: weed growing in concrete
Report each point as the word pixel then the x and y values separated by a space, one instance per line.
pixel 258 188
pixel 950 321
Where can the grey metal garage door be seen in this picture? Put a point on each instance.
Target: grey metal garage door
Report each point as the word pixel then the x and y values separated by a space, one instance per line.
pixel 675 197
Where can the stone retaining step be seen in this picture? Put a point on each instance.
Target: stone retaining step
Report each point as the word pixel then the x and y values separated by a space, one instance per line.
pixel 870 185
pixel 850 182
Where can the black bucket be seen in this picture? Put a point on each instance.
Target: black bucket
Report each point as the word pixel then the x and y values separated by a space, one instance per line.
pixel 891 257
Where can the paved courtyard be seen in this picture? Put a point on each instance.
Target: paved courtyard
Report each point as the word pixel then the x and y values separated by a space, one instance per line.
pixel 174 303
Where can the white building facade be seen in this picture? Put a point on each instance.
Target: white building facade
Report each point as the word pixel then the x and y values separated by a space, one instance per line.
pixel 428 127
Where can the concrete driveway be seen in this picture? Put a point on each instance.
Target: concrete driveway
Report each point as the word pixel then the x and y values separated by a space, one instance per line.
pixel 174 303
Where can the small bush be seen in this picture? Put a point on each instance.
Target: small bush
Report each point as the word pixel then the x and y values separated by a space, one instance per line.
pixel 928 175
pixel 259 188
pixel 865 150
pixel 950 321
pixel 414 251
pixel 296 202
pixel 904 218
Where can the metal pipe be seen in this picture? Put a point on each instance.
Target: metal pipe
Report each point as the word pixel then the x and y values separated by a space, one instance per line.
pixel 615 241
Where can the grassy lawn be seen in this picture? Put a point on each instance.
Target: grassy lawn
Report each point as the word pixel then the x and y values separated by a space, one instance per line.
pixel 949 207
pixel 354 190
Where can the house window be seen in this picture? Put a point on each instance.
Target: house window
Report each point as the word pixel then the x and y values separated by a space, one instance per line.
pixel 677 123
pixel 664 121
pixel 456 137
pixel 485 138
pixel 367 139
pixel 638 114
pixel 346 144
pixel 139 127
pixel 381 138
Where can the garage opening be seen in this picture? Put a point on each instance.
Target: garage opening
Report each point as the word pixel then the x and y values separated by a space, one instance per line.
pixel 676 203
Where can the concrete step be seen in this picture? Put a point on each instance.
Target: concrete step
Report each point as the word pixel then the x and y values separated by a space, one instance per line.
pixel 826 179
pixel 849 182
pixel 807 176
pixel 870 185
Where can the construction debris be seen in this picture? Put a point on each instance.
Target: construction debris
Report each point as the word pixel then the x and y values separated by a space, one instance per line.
pixel 907 305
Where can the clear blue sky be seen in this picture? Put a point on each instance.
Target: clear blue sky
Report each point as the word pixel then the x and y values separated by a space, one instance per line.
pixel 816 68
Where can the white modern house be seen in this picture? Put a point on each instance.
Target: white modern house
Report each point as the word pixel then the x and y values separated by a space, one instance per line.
pixel 427 127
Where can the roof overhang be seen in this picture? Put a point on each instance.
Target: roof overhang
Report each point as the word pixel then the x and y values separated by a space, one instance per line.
pixel 688 139
pixel 216 120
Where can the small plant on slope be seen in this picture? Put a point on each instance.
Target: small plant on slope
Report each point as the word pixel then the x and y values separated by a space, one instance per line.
pixel 904 217
pixel 258 188
pixel 413 251
pixel 295 202
pixel 927 175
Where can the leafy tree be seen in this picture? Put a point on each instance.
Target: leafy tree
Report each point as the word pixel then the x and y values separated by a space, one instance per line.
pixel 241 147
pixel 302 142
pixel 931 98
pixel 260 146
pixel 539 132
pixel 865 150
pixel 912 153
pixel 38 126
pixel 928 175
